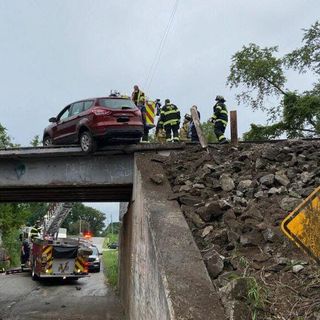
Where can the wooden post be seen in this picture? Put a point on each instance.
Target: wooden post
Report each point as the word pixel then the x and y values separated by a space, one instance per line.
pixel 234 127
pixel 196 121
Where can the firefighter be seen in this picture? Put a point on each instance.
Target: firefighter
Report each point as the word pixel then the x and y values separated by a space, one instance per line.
pixel 25 251
pixel 139 99
pixel 220 119
pixel 35 230
pixel 160 133
pixel 170 117
pixel 184 130
pixel 138 96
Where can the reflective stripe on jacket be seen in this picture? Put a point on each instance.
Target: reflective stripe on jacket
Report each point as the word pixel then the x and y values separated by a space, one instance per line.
pixel 170 115
pixel 220 113
pixel 138 97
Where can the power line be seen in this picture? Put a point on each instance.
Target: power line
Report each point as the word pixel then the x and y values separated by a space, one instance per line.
pixel 157 57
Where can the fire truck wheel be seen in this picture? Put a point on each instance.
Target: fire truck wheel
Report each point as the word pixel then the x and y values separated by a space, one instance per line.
pixel 33 273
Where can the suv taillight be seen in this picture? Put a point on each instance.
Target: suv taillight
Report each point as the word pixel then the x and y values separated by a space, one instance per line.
pixel 101 112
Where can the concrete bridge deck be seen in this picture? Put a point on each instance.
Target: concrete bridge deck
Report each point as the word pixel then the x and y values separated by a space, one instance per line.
pixel 66 173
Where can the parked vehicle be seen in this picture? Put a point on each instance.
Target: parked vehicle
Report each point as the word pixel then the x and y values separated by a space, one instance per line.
pixel 113 245
pixel 94 261
pixel 96 121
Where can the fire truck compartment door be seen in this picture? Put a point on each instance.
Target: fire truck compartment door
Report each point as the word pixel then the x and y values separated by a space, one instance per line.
pixel 63 266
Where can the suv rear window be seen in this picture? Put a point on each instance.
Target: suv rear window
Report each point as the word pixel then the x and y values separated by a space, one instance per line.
pixel 117 103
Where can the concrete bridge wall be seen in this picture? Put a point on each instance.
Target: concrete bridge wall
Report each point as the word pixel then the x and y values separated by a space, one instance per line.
pixel 162 275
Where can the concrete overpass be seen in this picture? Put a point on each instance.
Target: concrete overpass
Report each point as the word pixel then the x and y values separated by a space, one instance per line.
pixel 162 275
pixel 67 174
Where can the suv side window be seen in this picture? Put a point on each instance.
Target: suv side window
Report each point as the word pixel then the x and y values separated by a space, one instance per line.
pixel 65 113
pixel 87 104
pixel 76 108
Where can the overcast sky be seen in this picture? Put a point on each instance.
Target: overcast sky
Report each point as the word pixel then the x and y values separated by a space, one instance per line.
pixel 58 51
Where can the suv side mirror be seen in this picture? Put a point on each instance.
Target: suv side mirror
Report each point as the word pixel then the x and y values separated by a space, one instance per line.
pixel 53 119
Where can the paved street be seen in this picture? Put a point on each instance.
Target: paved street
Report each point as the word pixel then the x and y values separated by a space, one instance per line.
pixel 87 298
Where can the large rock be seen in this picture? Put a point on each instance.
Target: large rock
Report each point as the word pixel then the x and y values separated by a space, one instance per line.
pixel 211 210
pixel 234 298
pixel 260 164
pixel 270 154
pixel 192 216
pixel 189 200
pixel 244 185
pixel 250 239
pixel 306 176
pixel 214 262
pixel 267 180
pixel 226 182
pixel 289 204
pixel 282 179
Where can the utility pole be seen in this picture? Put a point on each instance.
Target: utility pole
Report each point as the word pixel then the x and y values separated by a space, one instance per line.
pixel 80 226
pixel 111 224
pixel 234 127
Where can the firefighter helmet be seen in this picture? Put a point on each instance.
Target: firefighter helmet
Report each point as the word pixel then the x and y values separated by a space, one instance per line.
pixel 220 98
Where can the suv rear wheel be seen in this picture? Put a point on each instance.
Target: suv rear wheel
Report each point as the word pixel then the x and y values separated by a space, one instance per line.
pixel 87 142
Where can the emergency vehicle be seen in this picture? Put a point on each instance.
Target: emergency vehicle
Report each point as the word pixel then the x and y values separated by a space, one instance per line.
pixel 52 256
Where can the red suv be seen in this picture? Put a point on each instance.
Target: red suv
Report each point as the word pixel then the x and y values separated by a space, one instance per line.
pixel 95 121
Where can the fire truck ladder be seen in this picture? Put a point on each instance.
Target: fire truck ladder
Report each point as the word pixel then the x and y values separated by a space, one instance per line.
pixel 55 216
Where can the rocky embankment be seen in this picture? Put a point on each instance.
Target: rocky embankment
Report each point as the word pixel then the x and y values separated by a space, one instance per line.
pixel 234 200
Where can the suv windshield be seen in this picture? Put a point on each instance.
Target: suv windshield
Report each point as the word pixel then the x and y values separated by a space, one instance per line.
pixel 117 103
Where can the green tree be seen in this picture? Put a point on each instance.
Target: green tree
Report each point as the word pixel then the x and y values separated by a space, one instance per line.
pixel 36 142
pixel 260 72
pixel 307 57
pixel 5 140
pixel 208 131
pixel 91 219
pixel 113 227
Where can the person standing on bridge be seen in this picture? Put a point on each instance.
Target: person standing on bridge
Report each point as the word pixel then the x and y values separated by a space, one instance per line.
pixel 220 119
pixel 138 97
pixel 170 117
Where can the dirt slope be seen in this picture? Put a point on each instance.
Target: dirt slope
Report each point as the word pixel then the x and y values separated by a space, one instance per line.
pixel 234 200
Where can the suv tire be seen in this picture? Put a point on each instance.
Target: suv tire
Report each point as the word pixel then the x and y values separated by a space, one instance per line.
pixel 87 142
pixel 47 141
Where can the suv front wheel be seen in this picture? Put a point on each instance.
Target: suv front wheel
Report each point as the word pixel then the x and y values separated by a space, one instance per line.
pixel 87 142
pixel 47 141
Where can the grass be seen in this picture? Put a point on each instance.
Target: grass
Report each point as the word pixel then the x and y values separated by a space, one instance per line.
pixel 110 238
pixel 256 296
pixel 256 293
pixel 110 260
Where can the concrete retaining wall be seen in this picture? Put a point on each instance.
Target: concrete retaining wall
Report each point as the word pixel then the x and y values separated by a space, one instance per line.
pixel 162 275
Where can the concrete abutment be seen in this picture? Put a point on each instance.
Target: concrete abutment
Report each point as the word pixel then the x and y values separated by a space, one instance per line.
pixel 162 275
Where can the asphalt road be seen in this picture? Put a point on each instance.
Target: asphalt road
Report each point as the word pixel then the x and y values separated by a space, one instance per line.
pixel 87 298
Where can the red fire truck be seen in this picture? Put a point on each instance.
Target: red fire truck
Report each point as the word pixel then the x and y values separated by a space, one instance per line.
pixel 51 256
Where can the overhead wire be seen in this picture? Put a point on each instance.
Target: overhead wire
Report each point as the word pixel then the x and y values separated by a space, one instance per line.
pixel 156 60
